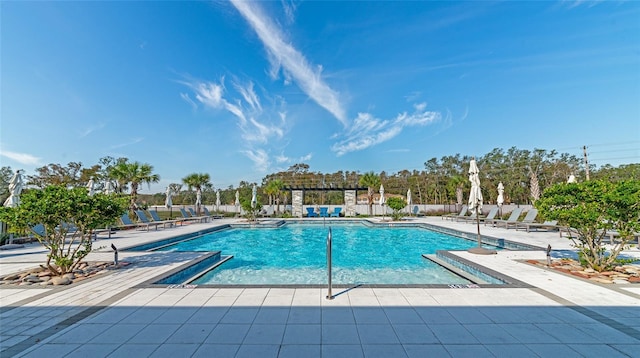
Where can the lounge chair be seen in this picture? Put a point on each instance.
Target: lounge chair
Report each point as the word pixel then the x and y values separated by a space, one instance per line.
pixel 143 219
pixel 156 218
pixel 324 212
pixel 311 213
pixel 472 218
pixel 193 214
pixel 528 219
pixel 127 223
pixel 336 212
pixel 416 211
pixel 188 217
pixel 207 213
pixel 515 214
pixel 463 212
pixel 546 226
pixel 613 236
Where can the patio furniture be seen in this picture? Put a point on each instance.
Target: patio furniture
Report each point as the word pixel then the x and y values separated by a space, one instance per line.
pixel 515 214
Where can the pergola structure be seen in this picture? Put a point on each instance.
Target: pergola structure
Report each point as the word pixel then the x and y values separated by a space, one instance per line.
pixel 297 197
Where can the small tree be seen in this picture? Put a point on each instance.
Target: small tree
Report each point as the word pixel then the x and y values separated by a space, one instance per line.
pixel 592 208
pixel 251 212
pixel 69 217
pixel 396 204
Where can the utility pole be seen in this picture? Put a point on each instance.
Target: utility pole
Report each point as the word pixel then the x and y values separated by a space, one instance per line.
pixel 586 161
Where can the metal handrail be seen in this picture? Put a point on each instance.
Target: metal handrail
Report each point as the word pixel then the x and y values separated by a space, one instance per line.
pixel 329 253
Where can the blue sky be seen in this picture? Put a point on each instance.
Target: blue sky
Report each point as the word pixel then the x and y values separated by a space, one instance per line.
pixel 242 89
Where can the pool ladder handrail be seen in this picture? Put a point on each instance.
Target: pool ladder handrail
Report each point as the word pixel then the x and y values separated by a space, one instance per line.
pixel 329 253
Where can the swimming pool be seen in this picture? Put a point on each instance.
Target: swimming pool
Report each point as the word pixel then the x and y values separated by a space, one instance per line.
pixel 296 254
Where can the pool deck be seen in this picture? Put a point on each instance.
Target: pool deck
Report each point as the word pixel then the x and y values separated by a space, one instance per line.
pixel 111 316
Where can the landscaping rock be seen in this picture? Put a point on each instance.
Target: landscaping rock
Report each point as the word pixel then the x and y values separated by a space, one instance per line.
pixel 61 280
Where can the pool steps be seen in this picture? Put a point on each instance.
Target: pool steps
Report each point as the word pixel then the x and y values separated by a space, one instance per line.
pixel 454 269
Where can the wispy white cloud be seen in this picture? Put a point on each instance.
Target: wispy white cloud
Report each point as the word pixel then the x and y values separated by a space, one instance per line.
pixel 249 95
pixel 257 126
pixel 283 159
pixel 22 158
pixel 90 130
pixel 575 3
pixel 260 159
pixel 413 96
pixel 282 54
pixel 368 131
pixel 130 142
pixel 306 158
pixel 188 99
pixel 289 10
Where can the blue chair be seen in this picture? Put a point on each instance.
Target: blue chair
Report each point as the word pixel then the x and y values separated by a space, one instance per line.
pixel 336 212
pixel 156 218
pixel 127 223
pixel 324 212
pixel 188 217
pixel 311 213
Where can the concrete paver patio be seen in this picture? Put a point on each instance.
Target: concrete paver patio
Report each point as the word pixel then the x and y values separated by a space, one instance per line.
pixel 110 316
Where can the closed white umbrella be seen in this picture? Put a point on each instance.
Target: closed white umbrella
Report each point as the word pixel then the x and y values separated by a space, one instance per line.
pixel 237 202
pixel 218 200
pixel 254 197
pixel 91 187
pixel 198 198
pixel 168 203
pixel 382 200
pixel 409 200
pixel 15 188
pixel 475 196
pixel 108 188
pixel 500 199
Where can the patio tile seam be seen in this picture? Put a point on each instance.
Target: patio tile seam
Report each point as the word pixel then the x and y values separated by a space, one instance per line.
pixel 49 332
pixel 618 326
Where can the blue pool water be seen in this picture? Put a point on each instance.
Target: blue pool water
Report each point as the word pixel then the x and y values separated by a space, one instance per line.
pixel 296 254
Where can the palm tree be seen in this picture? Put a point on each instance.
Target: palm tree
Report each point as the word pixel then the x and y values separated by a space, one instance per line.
pixel 273 189
pixel 133 173
pixel 197 181
pixel 371 181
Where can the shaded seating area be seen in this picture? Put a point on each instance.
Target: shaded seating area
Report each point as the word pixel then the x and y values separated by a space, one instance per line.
pixel 515 214
pixel 336 212
pixel 452 216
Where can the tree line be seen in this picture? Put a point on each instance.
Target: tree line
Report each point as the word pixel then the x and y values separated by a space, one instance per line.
pixel 524 173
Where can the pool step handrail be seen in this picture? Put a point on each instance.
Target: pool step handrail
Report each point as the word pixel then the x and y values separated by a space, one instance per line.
pixel 329 249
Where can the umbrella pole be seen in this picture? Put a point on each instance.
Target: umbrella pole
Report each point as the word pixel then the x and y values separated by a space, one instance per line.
pixel 478 225
pixel 480 250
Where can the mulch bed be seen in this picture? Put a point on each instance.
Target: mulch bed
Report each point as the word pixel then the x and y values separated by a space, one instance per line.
pixel 623 274
pixel 41 276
